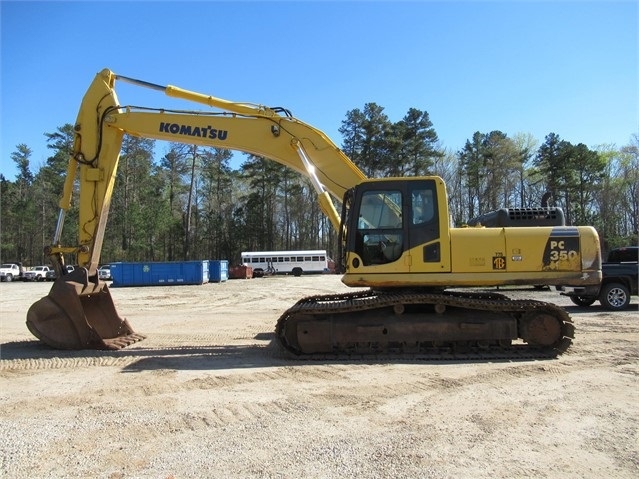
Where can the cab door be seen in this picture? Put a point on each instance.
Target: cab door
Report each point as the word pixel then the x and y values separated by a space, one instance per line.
pixel 423 226
pixel 378 223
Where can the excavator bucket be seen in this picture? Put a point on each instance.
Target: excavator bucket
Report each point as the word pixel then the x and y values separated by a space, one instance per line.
pixel 79 313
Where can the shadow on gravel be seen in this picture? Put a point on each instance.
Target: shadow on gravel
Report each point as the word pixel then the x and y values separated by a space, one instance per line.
pixel 599 310
pixel 136 359
pixel 270 354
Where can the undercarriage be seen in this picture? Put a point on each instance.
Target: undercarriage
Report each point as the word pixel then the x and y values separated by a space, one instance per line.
pixel 424 324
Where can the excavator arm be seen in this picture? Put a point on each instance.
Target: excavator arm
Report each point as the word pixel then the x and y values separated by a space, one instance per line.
pixel 79 312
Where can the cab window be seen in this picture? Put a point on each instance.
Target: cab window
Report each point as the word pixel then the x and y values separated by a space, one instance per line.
pixel 380 227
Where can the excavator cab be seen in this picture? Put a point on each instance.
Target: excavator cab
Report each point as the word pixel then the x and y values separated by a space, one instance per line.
pixel 79 313
pixel 387 218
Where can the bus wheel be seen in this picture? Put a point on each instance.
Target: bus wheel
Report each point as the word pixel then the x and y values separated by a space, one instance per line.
pixel 297 271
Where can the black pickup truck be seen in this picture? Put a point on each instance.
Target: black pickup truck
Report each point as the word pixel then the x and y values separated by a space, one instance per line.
pixel 619 282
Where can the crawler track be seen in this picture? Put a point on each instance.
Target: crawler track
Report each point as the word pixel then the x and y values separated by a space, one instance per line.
pixel 414 324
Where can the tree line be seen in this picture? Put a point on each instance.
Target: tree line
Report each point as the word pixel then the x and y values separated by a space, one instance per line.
pixel 191 204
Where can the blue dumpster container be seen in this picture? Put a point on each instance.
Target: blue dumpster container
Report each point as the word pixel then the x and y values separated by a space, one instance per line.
pixel 160 273
pixel 218 270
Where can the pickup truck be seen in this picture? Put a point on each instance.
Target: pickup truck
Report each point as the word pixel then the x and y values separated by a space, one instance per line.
pixel 104 272
pixel 618 283
pixel 39 273
pixel 11 272
pixel 52 275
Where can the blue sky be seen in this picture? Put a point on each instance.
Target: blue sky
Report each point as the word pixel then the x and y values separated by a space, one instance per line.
pixel 567 67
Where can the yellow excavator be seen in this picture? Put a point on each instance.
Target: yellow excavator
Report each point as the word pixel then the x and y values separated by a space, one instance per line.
pixel 426 281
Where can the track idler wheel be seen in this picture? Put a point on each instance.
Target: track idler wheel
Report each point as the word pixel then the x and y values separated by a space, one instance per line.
pixel 546 328
pixel 79 313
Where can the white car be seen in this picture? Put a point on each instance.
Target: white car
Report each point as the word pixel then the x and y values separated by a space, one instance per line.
pixel 104 273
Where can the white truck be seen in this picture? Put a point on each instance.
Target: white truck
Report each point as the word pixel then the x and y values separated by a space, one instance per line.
pixel 39 273
pixel 11 271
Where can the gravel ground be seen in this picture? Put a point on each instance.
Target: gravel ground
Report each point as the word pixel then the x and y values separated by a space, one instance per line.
pixel 208 395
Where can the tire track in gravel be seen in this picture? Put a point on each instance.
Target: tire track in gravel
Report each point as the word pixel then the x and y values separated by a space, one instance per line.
pixel 234 399
pixel 247 413
pixel 401 392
